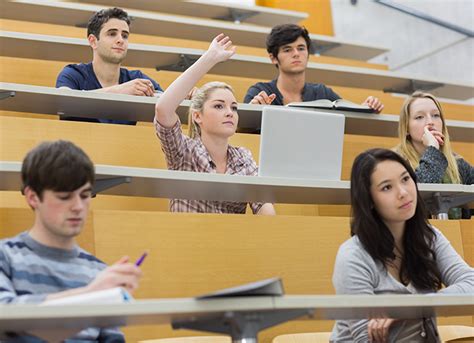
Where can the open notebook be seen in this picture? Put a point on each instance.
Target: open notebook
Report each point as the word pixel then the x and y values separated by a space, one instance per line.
pixel 115 295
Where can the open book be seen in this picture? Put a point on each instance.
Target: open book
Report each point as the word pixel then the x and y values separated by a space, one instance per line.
pixel 339 104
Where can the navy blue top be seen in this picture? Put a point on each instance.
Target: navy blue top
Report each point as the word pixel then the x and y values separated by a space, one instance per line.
pixel 82 77
pixel 311 91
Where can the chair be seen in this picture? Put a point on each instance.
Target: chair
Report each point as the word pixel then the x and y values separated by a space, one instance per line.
pixel 456 333
pixel 196 339
pixel 312 337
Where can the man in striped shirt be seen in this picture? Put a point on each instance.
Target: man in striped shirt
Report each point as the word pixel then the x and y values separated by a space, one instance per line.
pixel 45 263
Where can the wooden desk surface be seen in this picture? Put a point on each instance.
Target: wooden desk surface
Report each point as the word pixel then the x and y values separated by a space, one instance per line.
pixel 47 100
pixel 173 26
pixel 159 311
pixel 258 15
pixel 75 50
pixel 163 183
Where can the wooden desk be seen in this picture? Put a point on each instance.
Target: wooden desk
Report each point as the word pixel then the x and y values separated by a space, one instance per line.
pixel 257 15
pixel 57 48
pixel 241 312
pixel 47 100
pixel 163 183
pixel 159 24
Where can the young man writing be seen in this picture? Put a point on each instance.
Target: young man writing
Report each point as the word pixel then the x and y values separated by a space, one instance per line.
pixel 288 46
pixel 44 262
pixel 107 32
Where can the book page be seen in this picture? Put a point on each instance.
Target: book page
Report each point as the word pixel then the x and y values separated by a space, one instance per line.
pixel 321 103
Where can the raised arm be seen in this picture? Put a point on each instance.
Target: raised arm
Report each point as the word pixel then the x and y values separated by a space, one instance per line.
pixel 220 49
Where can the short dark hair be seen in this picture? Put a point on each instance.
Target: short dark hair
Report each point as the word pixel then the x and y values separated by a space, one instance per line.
pixel 419 262
pixel 285 34
pixel 59 166
pixel 101 17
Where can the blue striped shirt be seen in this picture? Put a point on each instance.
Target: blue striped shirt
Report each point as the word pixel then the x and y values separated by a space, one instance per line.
pixel 29 271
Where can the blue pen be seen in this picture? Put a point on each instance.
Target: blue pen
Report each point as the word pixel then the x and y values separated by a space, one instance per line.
pixel 141 259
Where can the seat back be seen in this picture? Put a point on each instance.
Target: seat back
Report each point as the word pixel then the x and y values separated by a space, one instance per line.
pixel 456 333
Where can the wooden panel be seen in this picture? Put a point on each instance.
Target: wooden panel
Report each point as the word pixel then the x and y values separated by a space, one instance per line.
pixel 106 144
pixel 101 202
pixel 44 73
pixel 16 220
pixel 191 254
pixel 68 31
pixel 194 254
pixel 467 231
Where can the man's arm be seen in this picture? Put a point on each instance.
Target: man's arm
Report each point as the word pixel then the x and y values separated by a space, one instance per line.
pixel 120 274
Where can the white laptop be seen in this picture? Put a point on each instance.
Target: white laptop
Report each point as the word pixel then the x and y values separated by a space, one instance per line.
pixel 296 143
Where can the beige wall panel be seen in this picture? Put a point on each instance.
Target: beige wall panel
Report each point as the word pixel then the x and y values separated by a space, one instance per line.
pixel 192 254
pixel 108 144
pixel 101 202
pixel 44 73
pixel 467 231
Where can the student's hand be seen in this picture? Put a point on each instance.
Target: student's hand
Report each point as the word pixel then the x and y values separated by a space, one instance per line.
pixel 374 103
pixel 221 48
pixel 140 87
pixel 433 138
pixel 263 99
pixel 378 329
pixel 120 274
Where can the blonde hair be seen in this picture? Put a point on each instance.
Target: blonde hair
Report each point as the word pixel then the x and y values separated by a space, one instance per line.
pixel 197 104
pixel 408 151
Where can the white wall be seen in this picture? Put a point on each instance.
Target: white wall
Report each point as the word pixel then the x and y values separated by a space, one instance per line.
pixel 416 46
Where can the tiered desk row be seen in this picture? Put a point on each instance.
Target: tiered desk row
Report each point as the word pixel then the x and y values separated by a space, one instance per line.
pixel 191 253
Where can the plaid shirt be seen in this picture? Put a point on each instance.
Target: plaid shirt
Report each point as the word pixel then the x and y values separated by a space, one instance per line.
pixel 184 153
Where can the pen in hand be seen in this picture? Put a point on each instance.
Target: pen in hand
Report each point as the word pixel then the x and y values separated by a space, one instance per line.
pixel 141 259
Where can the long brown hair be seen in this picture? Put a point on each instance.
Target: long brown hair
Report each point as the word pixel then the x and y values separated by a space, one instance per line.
pixel 419 260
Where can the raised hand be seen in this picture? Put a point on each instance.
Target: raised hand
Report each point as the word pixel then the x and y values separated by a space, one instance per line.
pixel 433 138
pixel 221 48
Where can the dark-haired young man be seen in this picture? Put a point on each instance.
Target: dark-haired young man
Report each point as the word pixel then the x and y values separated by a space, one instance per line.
pixel 107 32
pixel 44 263
pixel 288 46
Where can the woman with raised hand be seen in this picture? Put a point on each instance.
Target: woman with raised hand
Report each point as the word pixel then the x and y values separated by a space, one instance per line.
pixel 213 119
pixel 393 250
pixel 424 142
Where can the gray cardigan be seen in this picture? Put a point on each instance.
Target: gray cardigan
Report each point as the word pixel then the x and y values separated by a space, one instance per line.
pixel 355 272
pixel 433 166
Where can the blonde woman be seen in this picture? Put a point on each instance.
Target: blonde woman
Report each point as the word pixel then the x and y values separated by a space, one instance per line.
pixel 424 142
pixel 213 120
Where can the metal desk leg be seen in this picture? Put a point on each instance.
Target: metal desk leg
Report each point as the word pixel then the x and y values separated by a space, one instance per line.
pixel 103 184
pixel 439 205
pixel 243 327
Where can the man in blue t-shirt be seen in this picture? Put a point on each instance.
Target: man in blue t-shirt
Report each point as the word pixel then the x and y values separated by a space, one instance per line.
pixel 288 46
pixel 107 33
